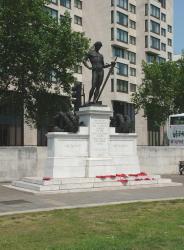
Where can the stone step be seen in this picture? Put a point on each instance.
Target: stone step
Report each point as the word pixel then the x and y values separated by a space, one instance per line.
pixel 123 187
pixel 66 186
pixel 81 183
pixel 35 187
pixel 61 181
pixel 85 187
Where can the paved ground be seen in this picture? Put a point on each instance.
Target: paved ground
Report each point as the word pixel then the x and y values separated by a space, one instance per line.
pixel 13 201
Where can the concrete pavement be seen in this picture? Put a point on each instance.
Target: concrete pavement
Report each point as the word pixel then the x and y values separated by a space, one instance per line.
pixel 14 201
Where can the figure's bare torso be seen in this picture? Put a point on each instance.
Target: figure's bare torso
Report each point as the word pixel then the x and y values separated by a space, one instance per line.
pixel 96 60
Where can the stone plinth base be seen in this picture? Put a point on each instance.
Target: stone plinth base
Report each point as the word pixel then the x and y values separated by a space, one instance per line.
pixel 95 150
pixel 92 159
pixel 65 185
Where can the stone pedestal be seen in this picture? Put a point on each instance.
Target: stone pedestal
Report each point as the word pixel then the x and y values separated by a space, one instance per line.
pixel 95 158
pixel 95 150
pixel 97 119
pixel 67 154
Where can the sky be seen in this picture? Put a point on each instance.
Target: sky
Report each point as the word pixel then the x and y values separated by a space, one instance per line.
pixel 178 26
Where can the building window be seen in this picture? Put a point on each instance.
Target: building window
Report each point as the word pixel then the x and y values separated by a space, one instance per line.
pixel 122 4
pixel 161 59
pixel 112 34
pixel 150 58
pixel 54 2
pixel 112 85
pixel 155 43
pixel 112 2
pixel 163 32
pixel 169 55
pixel 155 11
pixel 163 46
pixel 132 71
pixel 132 24
pixel 163 17
pixel 169 42
pixel 112 16
pixel 169 28
pixel 122 19
pixel 132 8
pixel 146 41
pixel 119 52
pixel 122 35
pixel 132 40
pixel 78 4
pixel 155 27
pixel 77 20
pixel 122 86
pixel 146 25
pixel 133 87
pixel 122 69
pixel 53 13
pixel 66 3
pixel 146 9
pixel 132 57
pixel 163 3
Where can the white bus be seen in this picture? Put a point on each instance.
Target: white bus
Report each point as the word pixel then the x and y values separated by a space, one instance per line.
pixel 175 130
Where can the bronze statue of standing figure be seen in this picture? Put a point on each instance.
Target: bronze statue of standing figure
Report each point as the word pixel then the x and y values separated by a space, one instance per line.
pixel 97 66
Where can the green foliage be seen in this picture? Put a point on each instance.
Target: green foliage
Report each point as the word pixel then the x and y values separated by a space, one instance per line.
pixel 162 91
pixel 34 46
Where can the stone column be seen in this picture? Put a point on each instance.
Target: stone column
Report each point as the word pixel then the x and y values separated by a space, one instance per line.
pixel 97 119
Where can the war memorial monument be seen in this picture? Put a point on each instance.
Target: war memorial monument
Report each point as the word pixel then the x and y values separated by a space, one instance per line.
pixel 96 156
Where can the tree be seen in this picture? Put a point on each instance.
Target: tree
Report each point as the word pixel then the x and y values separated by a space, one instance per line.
pixel 38 57
pixel 162 91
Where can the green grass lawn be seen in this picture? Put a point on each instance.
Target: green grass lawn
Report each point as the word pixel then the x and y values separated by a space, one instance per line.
pixel 154 225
